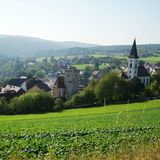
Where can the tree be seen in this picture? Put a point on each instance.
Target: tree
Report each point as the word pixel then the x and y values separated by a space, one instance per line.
pixel 59 104
pixel 85 97
pixel 4 107
pixel 107 87
pixel 32 103
pixel 155 88
pixel 156 77
pixel 136 86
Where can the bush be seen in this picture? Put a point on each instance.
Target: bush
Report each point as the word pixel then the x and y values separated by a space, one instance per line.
pixel 32 103
pixel 59 104
pixel 4 107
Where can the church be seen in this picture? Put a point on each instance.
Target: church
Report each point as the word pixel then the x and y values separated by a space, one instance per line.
pixel 134 69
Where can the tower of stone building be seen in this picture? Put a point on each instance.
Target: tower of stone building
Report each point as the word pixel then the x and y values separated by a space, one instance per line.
pixel 71 81
pixel 133 62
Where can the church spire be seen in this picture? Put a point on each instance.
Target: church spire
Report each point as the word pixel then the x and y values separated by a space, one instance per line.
pixel 133 53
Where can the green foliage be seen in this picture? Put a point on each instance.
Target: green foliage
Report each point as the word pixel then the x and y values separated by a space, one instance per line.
pixel 58 104
pixel 155 88
pixel 113 88
pixel 136 86
pixel 110 88
pixel 3 106
pixel 32 103
pixel 85 97
pixel 81 131
pixel 156 77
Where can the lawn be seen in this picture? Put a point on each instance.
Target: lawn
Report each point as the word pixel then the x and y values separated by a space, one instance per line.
pixel 99 129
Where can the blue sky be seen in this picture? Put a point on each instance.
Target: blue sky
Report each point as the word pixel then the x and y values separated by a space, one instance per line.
pixel 93 21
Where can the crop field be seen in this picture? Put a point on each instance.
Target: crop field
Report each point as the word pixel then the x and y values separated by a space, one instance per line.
pixel 99 130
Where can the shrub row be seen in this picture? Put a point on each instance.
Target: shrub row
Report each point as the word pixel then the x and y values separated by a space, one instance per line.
pixel 38 102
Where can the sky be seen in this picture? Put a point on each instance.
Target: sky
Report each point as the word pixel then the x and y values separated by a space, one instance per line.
pixel 107 22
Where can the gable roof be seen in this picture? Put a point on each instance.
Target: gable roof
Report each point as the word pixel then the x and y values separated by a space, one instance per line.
pixel 133 53
pixel 8 88
pixel 16 82
pixel 142 72
pixel 40 84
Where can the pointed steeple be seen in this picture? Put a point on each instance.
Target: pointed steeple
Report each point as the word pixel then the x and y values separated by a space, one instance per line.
pixel 133 53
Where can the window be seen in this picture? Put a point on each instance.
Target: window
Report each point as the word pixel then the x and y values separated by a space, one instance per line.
pixel 147 82
pixel 130 71
pixel 135 72
pixel 130 65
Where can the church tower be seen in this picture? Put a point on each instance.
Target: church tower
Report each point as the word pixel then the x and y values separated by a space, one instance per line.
pixel 133 62
pixel 71 80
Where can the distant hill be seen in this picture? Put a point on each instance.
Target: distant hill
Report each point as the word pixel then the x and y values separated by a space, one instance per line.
pixel 29 46
pixel 20 46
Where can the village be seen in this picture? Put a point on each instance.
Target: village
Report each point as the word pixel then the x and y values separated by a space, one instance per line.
pixel 67 80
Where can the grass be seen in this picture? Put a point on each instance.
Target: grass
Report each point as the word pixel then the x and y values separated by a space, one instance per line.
pixel 151 59
pixel 146 59
pixel 83 66
pixel 99 55
pixel 81 132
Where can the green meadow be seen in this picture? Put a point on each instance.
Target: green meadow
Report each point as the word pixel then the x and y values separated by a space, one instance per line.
pixel 146 59
pixel 83 66
pixel 80 131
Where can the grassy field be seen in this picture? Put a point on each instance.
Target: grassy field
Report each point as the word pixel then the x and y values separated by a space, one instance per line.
pixel 101 130
pixel 151 59
pixel 147 59
pixel 83 66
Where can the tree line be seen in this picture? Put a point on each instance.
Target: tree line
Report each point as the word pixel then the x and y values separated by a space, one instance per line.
pixel 111 88
pixel 38 102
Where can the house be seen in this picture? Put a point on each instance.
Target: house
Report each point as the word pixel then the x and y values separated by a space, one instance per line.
pixel 14 87
pixel 96 74
pixel 134 69
pixel 18 82
pixel 154 69
pixel 38 85
pixel 10 92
